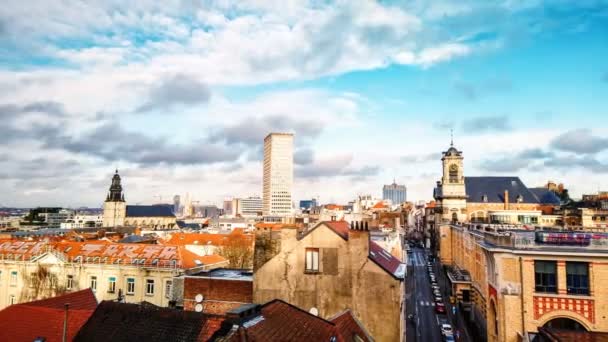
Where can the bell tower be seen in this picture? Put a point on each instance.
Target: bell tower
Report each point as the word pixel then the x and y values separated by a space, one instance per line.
pixel 115 207
pixel 451 192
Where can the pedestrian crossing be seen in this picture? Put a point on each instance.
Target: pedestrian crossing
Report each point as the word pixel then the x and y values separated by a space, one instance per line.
pixel 423 303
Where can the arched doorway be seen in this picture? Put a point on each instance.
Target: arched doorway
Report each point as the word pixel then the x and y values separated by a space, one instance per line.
pixel 563 323
pixel 454 217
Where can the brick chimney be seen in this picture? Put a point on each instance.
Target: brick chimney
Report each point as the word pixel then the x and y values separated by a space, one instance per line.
pixel 358 239
pixel 506 199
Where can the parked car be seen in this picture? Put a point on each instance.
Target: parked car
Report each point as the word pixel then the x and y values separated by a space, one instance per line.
pixel 440 308
pixel 446 329
pixel 449 338
pixel 438 299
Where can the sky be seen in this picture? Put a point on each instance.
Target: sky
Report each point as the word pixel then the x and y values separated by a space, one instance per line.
pixel 178 96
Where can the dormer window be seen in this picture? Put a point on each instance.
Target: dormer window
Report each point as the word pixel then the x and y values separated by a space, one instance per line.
pixel 520 198
pixel 484 198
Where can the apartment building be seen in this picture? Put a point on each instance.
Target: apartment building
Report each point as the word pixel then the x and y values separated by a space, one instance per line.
pixel 131 272
pixel 514 282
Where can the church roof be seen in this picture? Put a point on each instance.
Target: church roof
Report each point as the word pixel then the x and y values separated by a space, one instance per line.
pixel 162 210
pixel 494 188
pixel 545 196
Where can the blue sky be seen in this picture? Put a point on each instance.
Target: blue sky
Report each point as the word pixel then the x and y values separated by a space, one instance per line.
pixel 179 95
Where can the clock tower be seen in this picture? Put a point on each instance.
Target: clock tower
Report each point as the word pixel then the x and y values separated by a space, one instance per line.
pixel 450 194
pixel 115 207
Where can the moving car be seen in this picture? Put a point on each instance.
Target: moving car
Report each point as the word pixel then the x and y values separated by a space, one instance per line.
pixel 446 329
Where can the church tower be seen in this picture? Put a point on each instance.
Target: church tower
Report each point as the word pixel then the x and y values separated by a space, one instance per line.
pixel 115 207
pixel 451 193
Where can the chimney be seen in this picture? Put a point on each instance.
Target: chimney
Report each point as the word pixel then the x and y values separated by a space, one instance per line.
pixel 506 199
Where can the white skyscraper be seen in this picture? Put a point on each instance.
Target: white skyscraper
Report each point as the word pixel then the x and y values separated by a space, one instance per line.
pixel 278 174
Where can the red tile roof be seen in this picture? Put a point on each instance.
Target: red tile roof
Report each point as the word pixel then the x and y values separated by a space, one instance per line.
pixel 348 327
pixel 105 252
pixel 280 321
pixel 379 205
pixel 182 239
pixel 340 227
pixel 44 318
pixel 386 261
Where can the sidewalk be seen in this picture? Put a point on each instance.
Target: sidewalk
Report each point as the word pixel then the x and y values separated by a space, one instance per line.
pixel 456 320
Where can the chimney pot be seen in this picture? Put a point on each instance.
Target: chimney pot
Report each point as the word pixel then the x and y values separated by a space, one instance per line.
pixel 506 199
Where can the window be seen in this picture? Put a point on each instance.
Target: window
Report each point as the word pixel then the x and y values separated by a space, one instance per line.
pixel 312 260
pixel 130 286
pixel 94 283
pixel 12 300
pixel 149 287
pixel 69 284
pixel 577 277
pixel 168 289
pixel 545 278
pixel 111 284
pixel 13 281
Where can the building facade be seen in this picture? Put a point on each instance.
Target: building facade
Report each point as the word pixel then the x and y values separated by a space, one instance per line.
pixel 247 207
pixel 330 268
pixel 278 174
pixel 131 272
pixel 511 283
pixel 396 193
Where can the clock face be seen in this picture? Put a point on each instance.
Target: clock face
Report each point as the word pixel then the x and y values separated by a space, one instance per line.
pixel 453 167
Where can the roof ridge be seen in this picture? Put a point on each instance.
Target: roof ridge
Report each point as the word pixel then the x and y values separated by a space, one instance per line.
pixel 299 309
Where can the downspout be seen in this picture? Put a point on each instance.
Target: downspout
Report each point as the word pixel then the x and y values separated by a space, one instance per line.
pixel 521 297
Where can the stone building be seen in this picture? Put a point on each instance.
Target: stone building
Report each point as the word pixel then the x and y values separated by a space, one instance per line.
pixel 503 200
pixel 117 213
pixel 513 282
pixel 330 268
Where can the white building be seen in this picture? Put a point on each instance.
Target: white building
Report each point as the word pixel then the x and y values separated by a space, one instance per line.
pixel 83 221
pixel 54 220
pixel 278 174
pixel 246 207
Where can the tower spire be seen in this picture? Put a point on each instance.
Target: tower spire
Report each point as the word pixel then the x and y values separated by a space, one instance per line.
pixel 451 137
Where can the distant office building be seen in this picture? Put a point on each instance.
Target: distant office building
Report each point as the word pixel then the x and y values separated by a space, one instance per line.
pixel 394 192
pixel 228 207
pixel 176 203
pixel 250 206
pixel 278 174
pixel 308 204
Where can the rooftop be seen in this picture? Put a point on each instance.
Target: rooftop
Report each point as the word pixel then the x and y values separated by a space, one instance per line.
pixel 161 210
pixel 44 318
pixel 227 273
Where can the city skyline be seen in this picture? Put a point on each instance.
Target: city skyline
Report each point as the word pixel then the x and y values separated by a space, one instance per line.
pixel 179 97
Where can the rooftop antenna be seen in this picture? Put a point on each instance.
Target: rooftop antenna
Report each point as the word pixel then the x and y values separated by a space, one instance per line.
pixel 451 137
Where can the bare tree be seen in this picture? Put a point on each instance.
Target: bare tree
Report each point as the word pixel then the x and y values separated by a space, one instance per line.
pixel 238 249
pixel 40 284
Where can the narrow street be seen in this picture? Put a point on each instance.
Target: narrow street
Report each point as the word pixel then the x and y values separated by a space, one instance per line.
pixel 420 301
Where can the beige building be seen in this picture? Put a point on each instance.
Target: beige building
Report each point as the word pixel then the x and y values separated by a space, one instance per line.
pixel 331 268
pixel 117 213
pixel 278 174
pixel 138 272
pixel 513 282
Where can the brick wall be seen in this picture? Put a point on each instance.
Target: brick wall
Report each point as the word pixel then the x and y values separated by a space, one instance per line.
pixel 220 295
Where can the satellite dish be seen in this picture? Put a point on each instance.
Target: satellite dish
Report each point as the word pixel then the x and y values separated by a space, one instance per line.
pixel 314 311
pixel 198 308
pixel 198 298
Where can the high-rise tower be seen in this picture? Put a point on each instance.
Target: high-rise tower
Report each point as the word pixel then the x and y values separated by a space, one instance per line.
pixel 278 174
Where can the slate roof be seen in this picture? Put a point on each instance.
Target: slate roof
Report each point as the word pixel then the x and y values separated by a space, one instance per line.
pixel 150 211
pixel 44 318
pixel 386 261
pixel 136 239
pixel 545 196
pixel 117 322
pixel 348 327
pixel 281 321
pixel 494 188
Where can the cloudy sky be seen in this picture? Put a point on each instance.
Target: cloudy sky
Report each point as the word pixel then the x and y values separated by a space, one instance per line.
pixel 178 95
